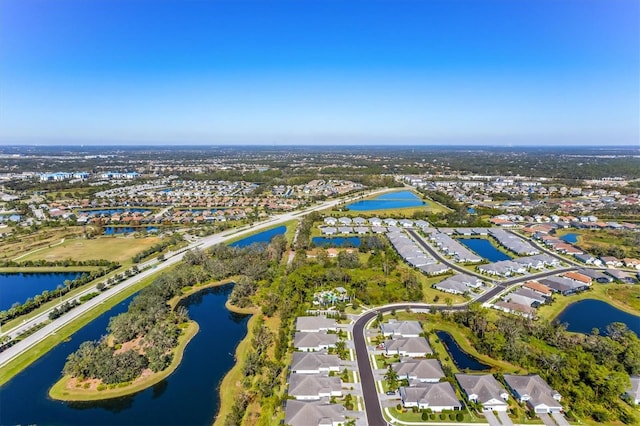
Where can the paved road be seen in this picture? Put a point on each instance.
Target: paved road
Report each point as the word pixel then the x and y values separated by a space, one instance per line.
pixel 202 243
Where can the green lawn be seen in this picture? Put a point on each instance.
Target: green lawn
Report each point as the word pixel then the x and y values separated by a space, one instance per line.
pixel 117 249
pixel 625 297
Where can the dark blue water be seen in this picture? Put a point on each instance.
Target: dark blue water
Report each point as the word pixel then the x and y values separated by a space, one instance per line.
pixel 336 242
pixel 392 200
pixel 570 238
pixel 262 237
pixel 484 248
pixel 460 358
pixel 116 230
pixel 18 287
pixel 188 397
pixel 585 315
pixel 112 211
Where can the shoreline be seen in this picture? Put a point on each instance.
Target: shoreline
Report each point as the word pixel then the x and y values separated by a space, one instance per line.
pixel 60 392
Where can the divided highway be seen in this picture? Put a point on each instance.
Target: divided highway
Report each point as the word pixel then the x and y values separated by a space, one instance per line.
pixel 202 243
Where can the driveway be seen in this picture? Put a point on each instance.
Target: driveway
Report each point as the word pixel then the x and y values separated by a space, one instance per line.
pixel 504 418
pixel 491 418
pixel 546 419
pixel 560 419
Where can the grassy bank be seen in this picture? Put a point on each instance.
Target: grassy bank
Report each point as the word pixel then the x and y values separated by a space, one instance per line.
pixel 60 390
pixel 232 381
pixel 24 360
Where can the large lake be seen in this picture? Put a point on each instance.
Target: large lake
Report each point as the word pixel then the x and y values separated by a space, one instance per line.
pixel 585 315
pixel 261 237
pixel 484 248
pixel 18 287
pixel 188 397
pixel 391 200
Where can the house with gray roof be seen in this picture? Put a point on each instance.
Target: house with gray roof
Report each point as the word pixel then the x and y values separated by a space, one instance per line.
pixel 345 220
pixel 315 324
pixel 361 230
pixel 484 389
pixel 408 346
pixel 310 387
pixel 401 329
pixel 304 341
pixel 359 221
pixel 634 390
pixel 330 220
pixel 375 221
pixel 314 363
pixel 535 392
pixel 345 230
pixel 328 230
pixel 434 268
pixel 436 396
pixel 317 413
pixel 525 292
pixel 419 370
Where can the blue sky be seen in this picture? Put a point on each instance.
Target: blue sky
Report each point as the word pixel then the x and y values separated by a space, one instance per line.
pixel 320 72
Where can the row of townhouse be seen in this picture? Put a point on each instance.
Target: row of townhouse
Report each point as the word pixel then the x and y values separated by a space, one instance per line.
pixel 453 248
pixel 414 255
pixel 521 265
pixel 311 381
pixel 458 284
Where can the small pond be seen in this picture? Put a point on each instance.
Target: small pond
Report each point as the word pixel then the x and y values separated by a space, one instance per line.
pixel 112 211
pixel 18 287
pixel 484 248
pixel 460 358
pixel 585 315
pixel 570 238
pixel 336 242
pixel 392 200
pixel 261 237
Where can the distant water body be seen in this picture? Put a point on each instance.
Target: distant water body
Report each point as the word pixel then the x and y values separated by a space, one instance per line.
pixel 391 200
pixel 261 237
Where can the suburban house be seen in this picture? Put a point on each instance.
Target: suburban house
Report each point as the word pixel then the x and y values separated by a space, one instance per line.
pixel 305 341
pixel 541 289
pixel 436 396
pixel 588 259
pixel 621 276
pixel 611 261
pixel 484 389
pixel 311 387
pixel 408 346
pixel 578 277
pixel 401 329
pixel 299 413
pixel 537 394
pixel 515 308
pixel 314 363
pixel 315 324
pixel 419 370
pixel 599 276
pixel 634 390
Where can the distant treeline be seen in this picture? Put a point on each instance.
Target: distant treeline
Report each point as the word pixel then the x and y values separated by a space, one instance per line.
pixel 52 263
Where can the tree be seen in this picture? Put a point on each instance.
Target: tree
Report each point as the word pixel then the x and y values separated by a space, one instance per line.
pixel 391 377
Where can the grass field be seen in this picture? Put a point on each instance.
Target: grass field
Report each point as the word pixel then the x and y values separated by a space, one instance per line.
pixel 627 241
pixel 117 249
pixel 39 240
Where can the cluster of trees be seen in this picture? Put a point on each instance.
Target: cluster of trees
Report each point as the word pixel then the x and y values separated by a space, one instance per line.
pixel 63 309
pixel 18 309
pixel 590 371
pixel 63 262
pixel 157 248
pixel 148 317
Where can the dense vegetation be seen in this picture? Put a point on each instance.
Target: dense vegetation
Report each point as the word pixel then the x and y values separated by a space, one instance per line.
pixel 589 371
pixel 150 328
